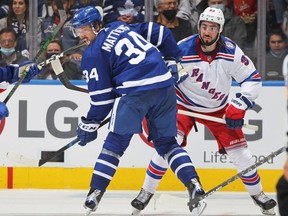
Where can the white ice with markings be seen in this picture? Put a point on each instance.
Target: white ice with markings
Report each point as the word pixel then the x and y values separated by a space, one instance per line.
pixel 46 202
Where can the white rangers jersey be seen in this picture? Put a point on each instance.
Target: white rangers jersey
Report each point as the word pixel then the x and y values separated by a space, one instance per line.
pixel 210 75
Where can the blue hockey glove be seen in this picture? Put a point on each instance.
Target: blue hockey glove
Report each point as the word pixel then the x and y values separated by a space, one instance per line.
pixel 3 111
pixel 176 70
pixel 30 69
pixel 235 112
pixel 87 131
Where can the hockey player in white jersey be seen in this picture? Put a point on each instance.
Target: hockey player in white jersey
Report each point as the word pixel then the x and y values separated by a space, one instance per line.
pixel 216 61
pixel 126 75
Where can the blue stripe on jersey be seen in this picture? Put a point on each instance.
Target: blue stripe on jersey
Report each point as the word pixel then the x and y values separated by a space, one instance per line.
pixel 251 179
pixel 155 171
pixel 254 77
pixel 186 100
pixel 187 61
pixel 223 58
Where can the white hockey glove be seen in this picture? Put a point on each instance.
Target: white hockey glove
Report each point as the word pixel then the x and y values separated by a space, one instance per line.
pixel 176 69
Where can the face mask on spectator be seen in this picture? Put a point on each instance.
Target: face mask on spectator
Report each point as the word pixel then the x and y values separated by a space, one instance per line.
pixel 219 6
pixel 49 55
pixel 169 14
pixel 7 51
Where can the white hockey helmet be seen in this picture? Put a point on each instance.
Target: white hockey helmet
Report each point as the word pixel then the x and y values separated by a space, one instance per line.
pixel 212 15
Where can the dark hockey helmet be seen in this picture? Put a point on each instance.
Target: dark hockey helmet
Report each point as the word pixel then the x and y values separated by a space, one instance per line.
pixel 86 16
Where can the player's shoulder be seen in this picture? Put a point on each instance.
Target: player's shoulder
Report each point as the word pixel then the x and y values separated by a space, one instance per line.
pixel 227 45
pixel 188 40
pixel 115 28
pixel 188 44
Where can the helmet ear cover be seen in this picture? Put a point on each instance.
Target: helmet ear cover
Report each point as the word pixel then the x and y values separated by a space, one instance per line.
pixel 214 15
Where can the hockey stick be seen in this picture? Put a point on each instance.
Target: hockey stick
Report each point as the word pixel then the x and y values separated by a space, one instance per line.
pixel 237 176
pixel 58 69
pixel 66 82
pixel 38 55
pixel 31 162
pixel 215 119
pixel 60 55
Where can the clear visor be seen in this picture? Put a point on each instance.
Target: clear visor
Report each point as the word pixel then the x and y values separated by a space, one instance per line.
pixel 81 31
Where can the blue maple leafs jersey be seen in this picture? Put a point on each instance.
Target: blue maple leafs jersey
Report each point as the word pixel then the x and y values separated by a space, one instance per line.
pixel 120 61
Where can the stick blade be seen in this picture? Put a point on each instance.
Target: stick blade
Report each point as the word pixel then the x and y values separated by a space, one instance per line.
pixel 21 159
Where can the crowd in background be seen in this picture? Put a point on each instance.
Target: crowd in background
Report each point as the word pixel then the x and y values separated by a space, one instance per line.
pixel 180 16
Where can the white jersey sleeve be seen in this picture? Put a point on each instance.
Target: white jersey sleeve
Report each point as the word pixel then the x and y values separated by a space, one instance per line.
pixel 285 69
pixel 244 72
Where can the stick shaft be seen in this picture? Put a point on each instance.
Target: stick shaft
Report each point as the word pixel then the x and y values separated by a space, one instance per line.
pixel 215 119
pixel 58 152
pixel 70 144
pixel 60 55
pixel 235 177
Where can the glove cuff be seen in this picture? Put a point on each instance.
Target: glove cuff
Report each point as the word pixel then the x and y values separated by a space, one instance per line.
pixel 248 103
pixel 88 125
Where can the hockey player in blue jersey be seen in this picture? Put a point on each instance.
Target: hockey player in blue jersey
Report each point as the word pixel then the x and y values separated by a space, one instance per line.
pixel 10 74
pixel 126 76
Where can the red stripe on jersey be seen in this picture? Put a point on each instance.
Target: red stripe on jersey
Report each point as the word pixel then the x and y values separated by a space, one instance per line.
pixel 185 58
pixel 256 76
pixel 225 55
pixel 254 179
pixel 155 171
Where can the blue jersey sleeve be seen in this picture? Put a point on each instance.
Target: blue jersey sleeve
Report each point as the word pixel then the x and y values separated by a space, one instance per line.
pixel 97 69
pixel 161 37
pixel 6 74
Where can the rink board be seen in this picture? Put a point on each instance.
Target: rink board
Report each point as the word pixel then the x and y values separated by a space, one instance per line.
pixel 44 117
pixel 124 179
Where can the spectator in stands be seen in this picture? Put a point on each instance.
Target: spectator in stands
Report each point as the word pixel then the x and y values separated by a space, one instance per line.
pixel 279 7
pixel 71 69
pixel 8 43
pixel 277 43
pixel 187 10
pixel 234 27
pixel 247 10
pixel 67 34
pixel 128 11
pixel 167 10
pixel 18 18
pixel 282 191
